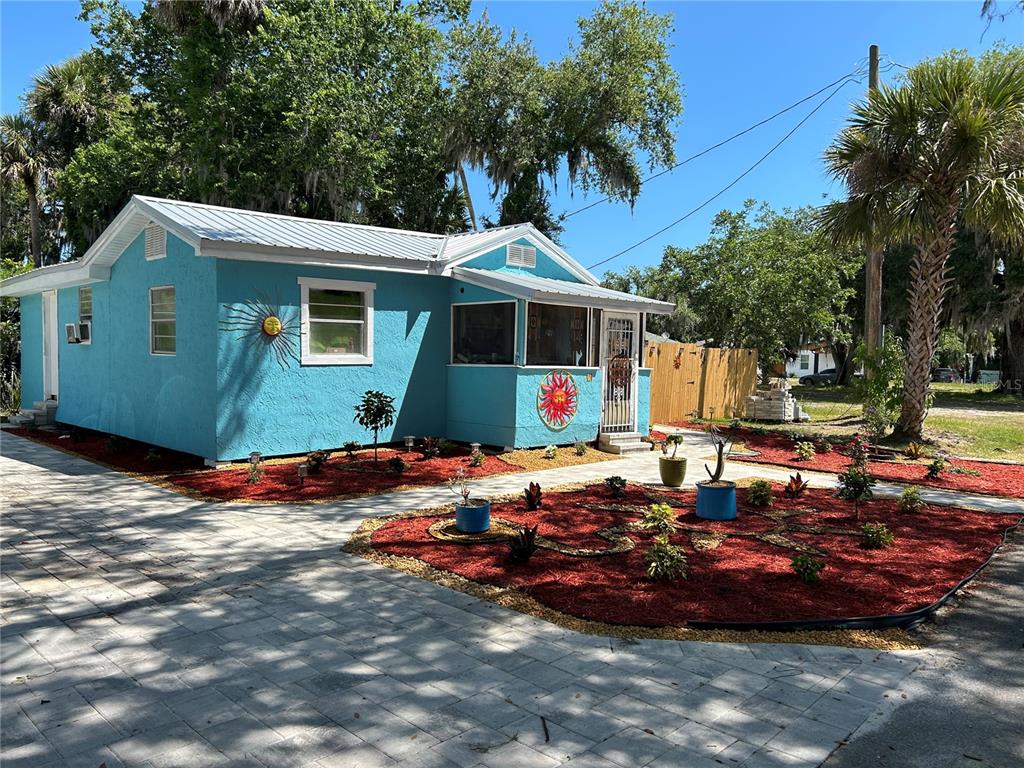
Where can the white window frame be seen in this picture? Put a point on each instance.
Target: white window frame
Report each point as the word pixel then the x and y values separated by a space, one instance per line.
pixel 367 289
pixel 152 337
pixel 805 361
pixel 84 321
pixel 515 334
pixel 154 242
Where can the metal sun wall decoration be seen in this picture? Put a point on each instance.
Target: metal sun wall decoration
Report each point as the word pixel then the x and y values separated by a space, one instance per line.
pixel 265 324
pixel 557 399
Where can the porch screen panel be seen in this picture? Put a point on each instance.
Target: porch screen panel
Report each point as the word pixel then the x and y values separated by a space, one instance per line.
pixel 337 322
pixel 484 334
pixel 556 335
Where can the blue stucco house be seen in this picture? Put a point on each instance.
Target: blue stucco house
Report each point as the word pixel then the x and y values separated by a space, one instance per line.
pixel 219 332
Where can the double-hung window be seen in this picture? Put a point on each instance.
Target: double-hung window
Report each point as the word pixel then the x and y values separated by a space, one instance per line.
pixel 337 322
pixel 84 331
pixel 163 321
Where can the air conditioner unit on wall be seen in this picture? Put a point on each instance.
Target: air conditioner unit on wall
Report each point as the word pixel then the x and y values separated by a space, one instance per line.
pixel 85 332
pixel 71 331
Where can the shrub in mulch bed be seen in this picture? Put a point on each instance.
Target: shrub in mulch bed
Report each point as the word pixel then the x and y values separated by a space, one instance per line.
pixel 120 453
pixel 339 478
pixel 994 478
pixel 733 576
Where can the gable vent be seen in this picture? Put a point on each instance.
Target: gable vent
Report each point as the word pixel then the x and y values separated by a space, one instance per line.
pixel 520 255
pixel 156 242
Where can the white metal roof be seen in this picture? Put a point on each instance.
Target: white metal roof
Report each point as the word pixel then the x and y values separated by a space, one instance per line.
pixel 215 224
pixel 233 233
pixel 549 290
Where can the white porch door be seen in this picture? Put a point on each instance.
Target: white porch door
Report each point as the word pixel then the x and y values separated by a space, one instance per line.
pixel 51 346
pixel 618 362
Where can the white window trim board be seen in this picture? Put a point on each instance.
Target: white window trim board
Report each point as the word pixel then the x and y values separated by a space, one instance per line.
pixel 152 350
pixel 367 289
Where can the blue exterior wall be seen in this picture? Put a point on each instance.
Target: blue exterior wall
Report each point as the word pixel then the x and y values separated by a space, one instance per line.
pixel 531 431
pixel 482 404
pixel 114 384
pixel 546 266
pixel 31 349
pixel 643 408
pixel 264 407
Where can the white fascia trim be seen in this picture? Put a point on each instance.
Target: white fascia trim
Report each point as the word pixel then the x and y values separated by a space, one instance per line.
pixel 54 277
pixel 169 224
pixel 537 238
pixel 523 292
pixel 311 258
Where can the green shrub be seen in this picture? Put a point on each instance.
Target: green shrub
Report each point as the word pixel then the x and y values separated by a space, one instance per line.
pixel 153 455
pixel 256 472
pixel 876 536
pixel 759 494
pixel 316 460
pixel 910 500
pixel 551 452
pixel 397 464
pixel 665 561
pixel 881 389
pixel 477 459
pixel 855 485
pixel 447 447
pixel 430 447
pixel 957 470
pixel 580 447
pixel 659 518
pixel 936 468
pixel 351 447
pixel 808 568
pixel 616 484
pixel 805 450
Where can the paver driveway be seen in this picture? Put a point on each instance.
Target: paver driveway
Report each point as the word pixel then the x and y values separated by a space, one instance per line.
pixel 141 628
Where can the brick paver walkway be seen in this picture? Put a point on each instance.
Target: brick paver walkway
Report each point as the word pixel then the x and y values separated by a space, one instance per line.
pixel 141 628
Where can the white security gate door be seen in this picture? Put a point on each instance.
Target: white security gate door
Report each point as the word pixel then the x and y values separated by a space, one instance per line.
pixel 619 353
pixel 51 345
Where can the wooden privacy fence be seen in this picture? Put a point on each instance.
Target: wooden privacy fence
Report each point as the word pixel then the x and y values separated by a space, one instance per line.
pixel 688 380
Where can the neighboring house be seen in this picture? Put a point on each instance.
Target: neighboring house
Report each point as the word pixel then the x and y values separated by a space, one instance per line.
pixel 809 358
pixel 219 332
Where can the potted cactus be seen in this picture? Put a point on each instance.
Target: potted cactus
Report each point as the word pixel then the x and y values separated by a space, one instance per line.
pixel 471 515
pixel 716 498
pixel 672 469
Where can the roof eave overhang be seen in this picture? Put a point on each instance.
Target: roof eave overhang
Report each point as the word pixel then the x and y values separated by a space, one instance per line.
pixel 52 278
pixel 222 249
pixel 507 286
pixel 528 232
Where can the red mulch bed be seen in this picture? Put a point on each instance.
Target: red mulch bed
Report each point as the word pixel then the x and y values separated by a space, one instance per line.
pixel 341 477
pixel 742 580
pixel 996 479
pixel 123 454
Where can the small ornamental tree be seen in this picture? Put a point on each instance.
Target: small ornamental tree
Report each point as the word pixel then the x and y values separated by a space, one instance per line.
pixel 375 412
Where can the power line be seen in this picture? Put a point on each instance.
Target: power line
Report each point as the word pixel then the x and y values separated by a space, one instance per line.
pixel 857 71
pixel 732 183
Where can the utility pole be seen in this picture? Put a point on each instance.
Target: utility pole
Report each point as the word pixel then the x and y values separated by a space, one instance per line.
pixel 876 255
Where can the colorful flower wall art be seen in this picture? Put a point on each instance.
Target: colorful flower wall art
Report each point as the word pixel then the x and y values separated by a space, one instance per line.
pixel 557 399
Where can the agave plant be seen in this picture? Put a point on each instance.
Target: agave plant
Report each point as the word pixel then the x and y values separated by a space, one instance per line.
pixel 522 546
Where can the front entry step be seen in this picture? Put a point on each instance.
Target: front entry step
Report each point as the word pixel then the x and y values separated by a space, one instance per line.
pixel 43 414
pixel 622 443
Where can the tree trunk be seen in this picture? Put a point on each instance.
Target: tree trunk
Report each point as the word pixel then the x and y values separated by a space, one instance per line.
pixel 929 280
pixel 1012 349
pixel 33 216
pixel 465 192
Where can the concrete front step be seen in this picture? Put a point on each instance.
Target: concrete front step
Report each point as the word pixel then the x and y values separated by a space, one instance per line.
pixel 42 415
pixel 622 443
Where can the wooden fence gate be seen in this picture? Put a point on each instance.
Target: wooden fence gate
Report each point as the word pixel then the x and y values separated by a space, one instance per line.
pixel 688 380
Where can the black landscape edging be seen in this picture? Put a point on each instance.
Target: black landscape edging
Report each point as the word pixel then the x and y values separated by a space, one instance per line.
pixel 891 621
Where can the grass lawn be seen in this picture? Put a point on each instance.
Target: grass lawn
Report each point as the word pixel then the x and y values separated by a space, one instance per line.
pixel 835 410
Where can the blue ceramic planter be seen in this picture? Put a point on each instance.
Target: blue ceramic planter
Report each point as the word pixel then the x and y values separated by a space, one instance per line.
pixel 473 519
pixel 716 502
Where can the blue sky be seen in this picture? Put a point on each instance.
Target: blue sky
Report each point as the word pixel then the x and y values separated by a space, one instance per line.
pixel 738 62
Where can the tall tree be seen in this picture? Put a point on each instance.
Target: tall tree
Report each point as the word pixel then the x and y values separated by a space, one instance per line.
pixel 22 161
pixel 942 151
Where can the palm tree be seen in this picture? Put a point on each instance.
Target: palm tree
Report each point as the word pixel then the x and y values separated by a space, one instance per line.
pixel 61 100
pixel 939 153
pixel 181 15
pixel 23 162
